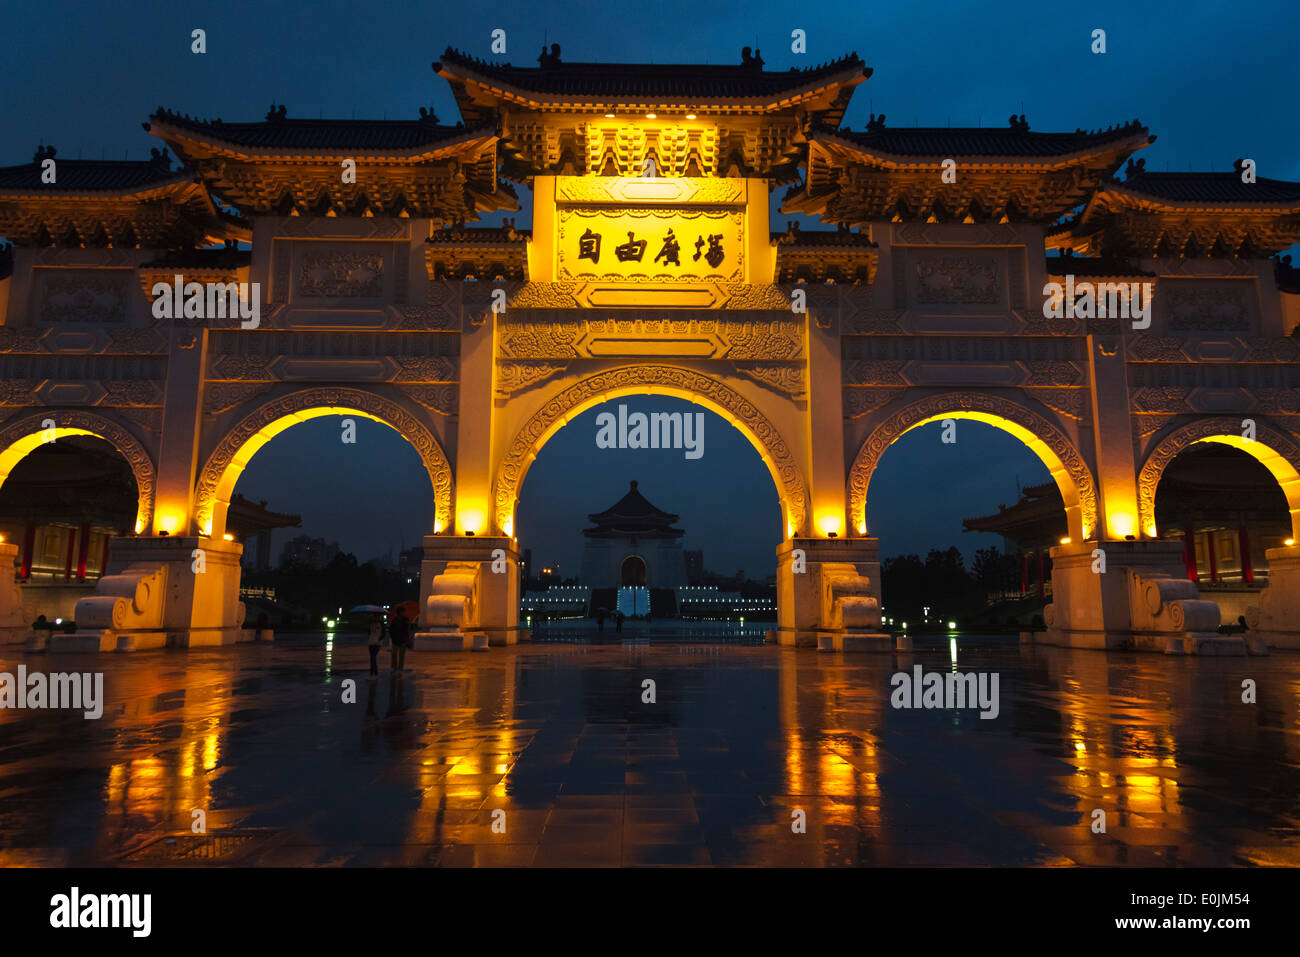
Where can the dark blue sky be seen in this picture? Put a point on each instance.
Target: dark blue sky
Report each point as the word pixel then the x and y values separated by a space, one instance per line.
pixel 1214 81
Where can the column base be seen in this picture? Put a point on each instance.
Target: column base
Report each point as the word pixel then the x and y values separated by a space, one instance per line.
pixel 1275 623
pixel 442 641
pixel 1129 596
pixel 854 642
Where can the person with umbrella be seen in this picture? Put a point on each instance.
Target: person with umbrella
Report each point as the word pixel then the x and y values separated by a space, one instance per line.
pixel 399 630
pixel 377 634
pixel 377 631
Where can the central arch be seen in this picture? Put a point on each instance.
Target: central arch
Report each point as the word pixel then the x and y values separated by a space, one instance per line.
pixel 21 436
pixel 1070 472
pixel 1271 448
pixel 226 463
pixel 653 380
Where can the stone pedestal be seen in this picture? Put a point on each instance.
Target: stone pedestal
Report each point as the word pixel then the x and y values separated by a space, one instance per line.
pixel 1276 621
pixel 830 588
pixel 14 629
pixel 469 585
pixel 1141 601
pixel 152 596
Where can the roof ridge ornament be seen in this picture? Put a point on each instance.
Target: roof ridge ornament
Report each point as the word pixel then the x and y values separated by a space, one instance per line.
pixel 752 60
pixel 276 114
pixel 43 152
pixel 1134 168
pixel 876 123
pixel 1019 124
pixel 548 60
pixel 428 116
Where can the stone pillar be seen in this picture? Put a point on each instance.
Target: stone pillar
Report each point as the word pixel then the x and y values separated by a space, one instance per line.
pixel 1210 556
pixel 1189 554
pixel 179 447
pixel 469 585
pixel 1130 595
pixel 829 588
pixel 1276 621
pixel 1117 500
pixel 474 508
pixel 825 427
pixel 151 596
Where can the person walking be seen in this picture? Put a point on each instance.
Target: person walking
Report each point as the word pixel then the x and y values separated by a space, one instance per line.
pixel 399 631
pixel 618 623
pixel 600 620
pixel 375 641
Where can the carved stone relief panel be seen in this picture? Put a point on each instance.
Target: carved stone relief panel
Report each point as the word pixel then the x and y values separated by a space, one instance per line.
pixel 344 271
pixel 946 278
pixel 1189 304
pixel 82 295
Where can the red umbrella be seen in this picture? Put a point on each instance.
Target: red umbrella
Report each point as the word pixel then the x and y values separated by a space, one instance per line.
pixel 412 609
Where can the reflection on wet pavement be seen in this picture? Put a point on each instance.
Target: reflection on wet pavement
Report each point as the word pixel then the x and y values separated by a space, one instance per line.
pixel 739 739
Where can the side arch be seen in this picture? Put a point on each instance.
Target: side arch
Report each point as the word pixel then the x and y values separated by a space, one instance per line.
pixel 1273 449
pixel 653 380
pixel 1070 472
pixel 21 436
pixel 223 467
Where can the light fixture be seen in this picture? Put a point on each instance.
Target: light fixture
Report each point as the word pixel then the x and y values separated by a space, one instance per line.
pixel 609 116
pixel 1289 541
pixel 228 537
pixel 690 116
pixel 1065 540
pixel 650 116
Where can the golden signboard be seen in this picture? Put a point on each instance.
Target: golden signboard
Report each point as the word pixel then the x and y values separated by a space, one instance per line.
pixel 650 240
pixel 646 245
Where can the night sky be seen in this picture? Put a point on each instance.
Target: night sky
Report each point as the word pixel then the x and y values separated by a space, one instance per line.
pixel 1213 81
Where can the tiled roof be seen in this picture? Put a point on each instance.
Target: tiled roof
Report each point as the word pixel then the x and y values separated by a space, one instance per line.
pixel 312 135
pixel 992 141
pixel 823 237
pixel 488 235
pixel 632 80
pixel 1210 188
pixel 1092 266
pixel 86 175
pixel 217 257
pixel 633 506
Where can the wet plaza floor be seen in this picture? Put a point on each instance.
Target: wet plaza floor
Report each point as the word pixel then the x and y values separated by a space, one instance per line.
pixel 547 754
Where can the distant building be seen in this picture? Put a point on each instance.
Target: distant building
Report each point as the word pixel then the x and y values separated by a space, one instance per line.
pixel 409 563
pixel 694 566
pixel 633 544
pixel 314 553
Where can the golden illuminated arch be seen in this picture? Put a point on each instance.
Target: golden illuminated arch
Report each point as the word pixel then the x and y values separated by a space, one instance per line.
pixel 21 436
pixel 653 380
pixel 1070 472
pixel 226 463
pixel 1276 451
